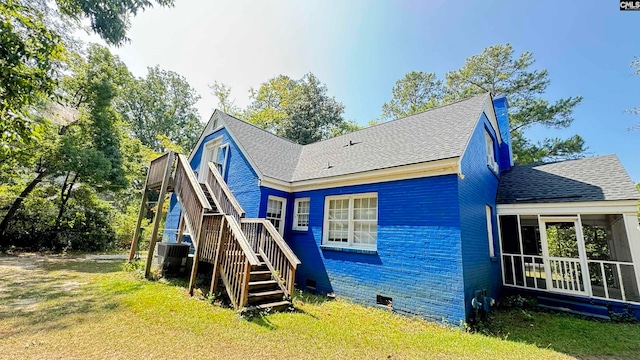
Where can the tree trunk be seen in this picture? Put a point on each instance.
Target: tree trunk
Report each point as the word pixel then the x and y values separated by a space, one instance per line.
pixel 17 202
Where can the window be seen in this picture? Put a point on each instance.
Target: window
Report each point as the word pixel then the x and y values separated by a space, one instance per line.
pixel 351 221
pixel 210 153
pixel 301 214
pixel 492 251
pixel 275 212
pixel 223 155
pixel 491 156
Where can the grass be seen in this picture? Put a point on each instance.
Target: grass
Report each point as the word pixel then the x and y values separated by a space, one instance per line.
pixel 59 308
pixel 569 334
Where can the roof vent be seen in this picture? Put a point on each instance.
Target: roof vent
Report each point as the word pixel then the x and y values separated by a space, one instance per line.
pixel 351 143
pixel 329 166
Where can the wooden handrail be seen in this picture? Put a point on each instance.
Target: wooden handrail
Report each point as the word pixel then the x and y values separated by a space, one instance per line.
pixel 242 240
pixel 191 177
pixel 221 191
pixel 277 238
pixel 276 254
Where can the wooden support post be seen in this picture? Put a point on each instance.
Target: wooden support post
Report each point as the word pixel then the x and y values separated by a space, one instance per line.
pixel 180 229
pixel 194 269
pixel 158 216
pixel 137 232
pixel 244 292
pixel 291 279
pixel 216 259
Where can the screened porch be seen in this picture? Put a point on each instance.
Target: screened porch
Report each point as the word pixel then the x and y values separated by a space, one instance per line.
pixel 593 253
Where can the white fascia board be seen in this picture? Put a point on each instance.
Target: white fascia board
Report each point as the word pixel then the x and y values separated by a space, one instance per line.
pixel 414 171
pixel 569 208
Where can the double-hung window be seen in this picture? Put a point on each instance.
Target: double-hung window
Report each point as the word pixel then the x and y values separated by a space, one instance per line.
pixel 351 221
pixel 301 214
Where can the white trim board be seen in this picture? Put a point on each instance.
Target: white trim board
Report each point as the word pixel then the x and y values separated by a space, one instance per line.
pixel 564 208
pixel 414 171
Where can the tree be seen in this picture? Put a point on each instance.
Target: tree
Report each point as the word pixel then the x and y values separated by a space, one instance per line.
pixel 299 110
pixel 225 103
pixel 416 92
pixel 161 104
pixel 28 53
pixel 108 18
pixel 32 53
pixel 636 65
pixel 87 150
pixel 496 70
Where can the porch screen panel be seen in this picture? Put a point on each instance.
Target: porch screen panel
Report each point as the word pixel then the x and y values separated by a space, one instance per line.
pixel 611 270
pixel 509 234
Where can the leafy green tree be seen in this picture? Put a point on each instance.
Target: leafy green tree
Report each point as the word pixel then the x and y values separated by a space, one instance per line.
pixel 108 18
pixel 416 92
pixel 28 54
pixel 498 71
pixel 225 103
pixel 32 52
pixel 299 110
pixel 87 150
pixel 161 104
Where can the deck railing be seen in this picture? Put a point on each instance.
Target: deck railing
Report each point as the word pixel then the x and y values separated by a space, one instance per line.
pixel 607 280
pixel 156 170
pixel 235 259
pixel 221 192
pixel 191 197
pixel 277 255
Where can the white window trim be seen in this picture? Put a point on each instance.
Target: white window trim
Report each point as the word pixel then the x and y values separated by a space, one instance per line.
pixel 296 204
pixel 325 225
pixel 284 211
pixel 489 144
pixel 212 145
pixel 492 250
pixel 226 148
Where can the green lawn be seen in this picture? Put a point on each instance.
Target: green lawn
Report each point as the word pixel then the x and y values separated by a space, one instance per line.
pixel 59 308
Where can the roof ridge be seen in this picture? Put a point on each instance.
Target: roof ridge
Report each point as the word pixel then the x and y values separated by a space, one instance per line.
pixel 567 160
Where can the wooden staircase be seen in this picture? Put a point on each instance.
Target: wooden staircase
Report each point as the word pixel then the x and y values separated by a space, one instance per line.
pixel 249 256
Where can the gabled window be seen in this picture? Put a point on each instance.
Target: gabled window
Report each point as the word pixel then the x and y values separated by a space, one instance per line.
pixel 301 214
pixel 351 221
pixel 491 155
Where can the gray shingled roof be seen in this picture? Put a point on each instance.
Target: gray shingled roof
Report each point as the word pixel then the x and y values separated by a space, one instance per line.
pixel 589 179
pixel 439 133
pixel 274 156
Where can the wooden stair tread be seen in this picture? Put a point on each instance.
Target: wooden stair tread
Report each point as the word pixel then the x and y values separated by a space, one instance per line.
pixel 266 293
pixel 261 272
pixel 263 282
pixel 272 305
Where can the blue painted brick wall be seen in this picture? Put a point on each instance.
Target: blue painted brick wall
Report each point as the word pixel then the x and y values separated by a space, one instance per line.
pixel 506 155
pixel 476 190
pixel 241 178
pixel 418 260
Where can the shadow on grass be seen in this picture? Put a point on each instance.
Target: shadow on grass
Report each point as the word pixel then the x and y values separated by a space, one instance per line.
pixel 577 336
pixel 38 295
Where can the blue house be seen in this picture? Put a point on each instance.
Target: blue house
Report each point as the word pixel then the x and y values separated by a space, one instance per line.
pixel 426 213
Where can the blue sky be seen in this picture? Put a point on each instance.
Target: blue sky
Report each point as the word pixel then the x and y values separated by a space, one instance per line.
pixel 359 49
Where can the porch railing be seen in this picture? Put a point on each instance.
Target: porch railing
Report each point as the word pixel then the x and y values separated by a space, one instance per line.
pixel 567 274
pixel 265 240
pixel 235 259
pixel 191 197
pixel 221 192
pixel 156 170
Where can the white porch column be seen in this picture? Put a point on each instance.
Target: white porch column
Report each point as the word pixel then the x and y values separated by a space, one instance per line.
pixel 633 234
